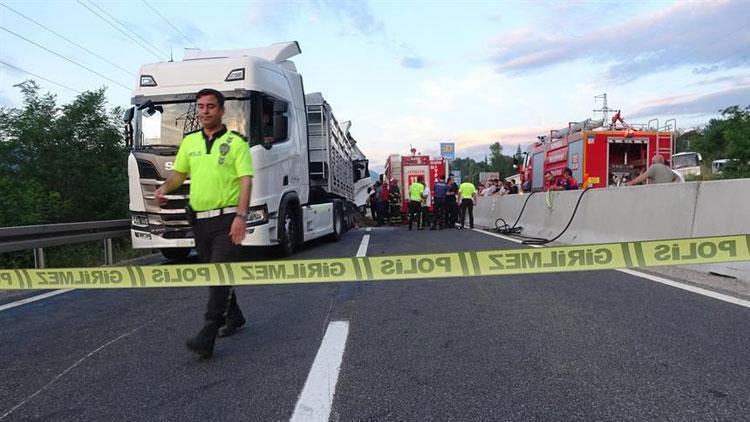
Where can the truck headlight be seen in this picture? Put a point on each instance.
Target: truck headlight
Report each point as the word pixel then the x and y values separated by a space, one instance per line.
pixel 139 220
pixel 257 215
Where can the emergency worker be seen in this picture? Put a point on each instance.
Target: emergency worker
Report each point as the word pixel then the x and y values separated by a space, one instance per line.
pixel 394 201
pixel 566 182
pixel 426 215
pixel 416 196
pixel 385 193
pixel 549 180
pixel 468 195
pixel 221 171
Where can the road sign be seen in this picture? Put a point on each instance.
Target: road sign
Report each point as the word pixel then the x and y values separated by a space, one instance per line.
pixel 448 150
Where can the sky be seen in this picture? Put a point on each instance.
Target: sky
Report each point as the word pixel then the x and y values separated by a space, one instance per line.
pixel 413 73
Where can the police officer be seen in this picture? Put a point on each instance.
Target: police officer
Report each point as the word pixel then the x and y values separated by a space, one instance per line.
pixel 416 196
pixel 440 191
pixel 468 194
pixel 221 170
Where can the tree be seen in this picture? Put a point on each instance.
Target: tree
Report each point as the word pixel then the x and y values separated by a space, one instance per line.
pixel 499 162
pixel 61 164
pixel 728 137
pixel 688 141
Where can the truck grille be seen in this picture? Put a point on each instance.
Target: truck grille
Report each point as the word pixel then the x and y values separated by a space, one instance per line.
pixel 178 233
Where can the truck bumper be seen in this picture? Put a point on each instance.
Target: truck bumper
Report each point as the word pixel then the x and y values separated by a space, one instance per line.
pixel 262 235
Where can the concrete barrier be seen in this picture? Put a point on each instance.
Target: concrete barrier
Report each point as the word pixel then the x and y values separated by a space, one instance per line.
pixel 648 212
pixel 722 207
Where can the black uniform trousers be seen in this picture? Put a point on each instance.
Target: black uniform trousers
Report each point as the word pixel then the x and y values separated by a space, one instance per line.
pixel 451 210
pixel 467 205
pixel 440 209
pixel 214 244
pixel 415 213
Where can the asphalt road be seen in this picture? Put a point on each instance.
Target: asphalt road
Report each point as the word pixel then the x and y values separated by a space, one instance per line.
pixel 569 346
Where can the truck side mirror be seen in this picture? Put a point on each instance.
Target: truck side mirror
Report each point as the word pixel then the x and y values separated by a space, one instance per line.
pixel 127 115
pixel 127 118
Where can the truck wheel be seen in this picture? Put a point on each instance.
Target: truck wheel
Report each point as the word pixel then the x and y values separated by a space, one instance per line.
pixel 339 225
pixel 175 254
pixel 287 229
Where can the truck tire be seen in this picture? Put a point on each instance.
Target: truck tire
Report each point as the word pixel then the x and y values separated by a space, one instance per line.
pixel 287 228
pixel 176 254
pixel 339 223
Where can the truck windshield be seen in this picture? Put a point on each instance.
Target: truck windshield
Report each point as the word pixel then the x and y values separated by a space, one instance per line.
pixel 168 123
pixel 682 161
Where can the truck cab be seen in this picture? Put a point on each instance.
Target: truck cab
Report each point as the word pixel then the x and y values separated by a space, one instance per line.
pixel 265 103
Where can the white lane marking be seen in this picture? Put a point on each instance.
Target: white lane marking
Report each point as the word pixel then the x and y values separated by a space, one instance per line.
pixel 17 303
pixel 700 291
pixel 369 229
pixel 68 369
pixel 662 280
pixel 316 400
pixel 362 251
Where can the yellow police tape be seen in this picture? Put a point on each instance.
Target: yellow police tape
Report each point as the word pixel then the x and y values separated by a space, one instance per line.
pixel 392 268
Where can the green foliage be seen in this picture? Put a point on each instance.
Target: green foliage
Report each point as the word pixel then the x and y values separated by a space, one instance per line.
pixel 88 254
pixel 61 163
pixel 687 141
pixel 728 137
pixel 496 161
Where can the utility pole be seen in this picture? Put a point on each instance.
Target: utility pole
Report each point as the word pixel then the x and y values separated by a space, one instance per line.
pixel 604 110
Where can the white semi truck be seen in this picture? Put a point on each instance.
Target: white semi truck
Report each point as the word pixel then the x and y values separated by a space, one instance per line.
pixel 307 166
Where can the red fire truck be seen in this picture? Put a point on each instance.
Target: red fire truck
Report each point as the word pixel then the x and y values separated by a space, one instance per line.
pixel 599 156
pixel 406 170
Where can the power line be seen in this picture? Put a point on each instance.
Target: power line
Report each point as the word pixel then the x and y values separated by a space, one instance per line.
pixel 40 77
pixel 120 30
pixel 63 57
pixel 170 24
pixel 127 28
pixel 66 39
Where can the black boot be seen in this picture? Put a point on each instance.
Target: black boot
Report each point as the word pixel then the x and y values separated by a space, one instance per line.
pixel 203 343
pixel 232 326
pixel 234 318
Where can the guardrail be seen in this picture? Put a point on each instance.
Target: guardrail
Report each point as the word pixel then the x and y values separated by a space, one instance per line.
pixel 38 237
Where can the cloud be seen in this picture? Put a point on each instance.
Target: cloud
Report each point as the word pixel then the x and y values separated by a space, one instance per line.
pixel 355 16
pixel 683 34
pixel 274 16
pixel 734 80
pixel 396 136
pixel 408 57
pixel 412 62
pixel 477 143
pixel 698 105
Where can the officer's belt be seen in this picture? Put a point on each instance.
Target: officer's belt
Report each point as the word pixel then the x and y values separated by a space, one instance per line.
pixel 200 215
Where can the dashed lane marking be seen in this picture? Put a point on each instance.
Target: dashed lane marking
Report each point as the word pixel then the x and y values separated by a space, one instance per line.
pixel 42 296
pixel 316 400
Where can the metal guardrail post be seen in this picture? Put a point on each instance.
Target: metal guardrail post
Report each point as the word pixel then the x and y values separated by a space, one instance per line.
pixel 108 258
pixel 38 258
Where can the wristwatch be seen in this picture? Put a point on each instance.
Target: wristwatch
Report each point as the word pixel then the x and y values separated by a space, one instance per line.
pixel 241 215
